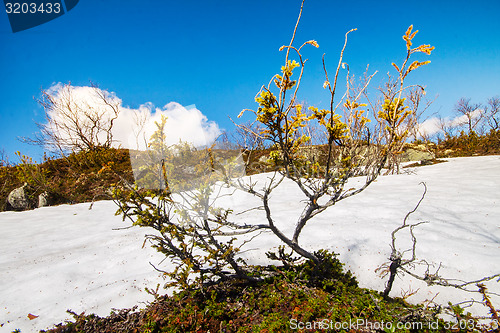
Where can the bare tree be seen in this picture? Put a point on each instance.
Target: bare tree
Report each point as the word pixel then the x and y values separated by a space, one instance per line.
pixel 140 119
pixel 397 261
pixel 492 112
pixel 76 122
pixel 470 111
pixel 246 136
pixel 447 127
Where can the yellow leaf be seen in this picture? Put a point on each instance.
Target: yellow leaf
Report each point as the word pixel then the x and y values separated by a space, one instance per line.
pixel 407 37
pixel 416 64
pixel 408 44
pixel 425 48
pixel 396 66
pixel 408 31
pixel 413 34
pixel 313 43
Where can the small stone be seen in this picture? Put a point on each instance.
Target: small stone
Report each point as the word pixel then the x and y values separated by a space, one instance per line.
pixel 44 200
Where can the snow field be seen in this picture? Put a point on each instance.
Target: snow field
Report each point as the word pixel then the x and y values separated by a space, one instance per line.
pixel 70 257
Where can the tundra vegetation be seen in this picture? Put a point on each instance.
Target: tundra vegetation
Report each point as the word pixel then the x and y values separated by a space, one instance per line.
pixel 180 190
pixel 202 237
pixel 193 230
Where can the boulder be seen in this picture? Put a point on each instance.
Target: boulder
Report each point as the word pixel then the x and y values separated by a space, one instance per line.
pixel 45 199
pixel 417 155
pixel 264 159
pixel 20 198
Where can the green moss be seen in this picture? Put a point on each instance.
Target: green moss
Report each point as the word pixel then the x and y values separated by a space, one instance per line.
pixel 276 304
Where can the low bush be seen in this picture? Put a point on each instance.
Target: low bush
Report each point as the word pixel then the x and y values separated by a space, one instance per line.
pixel 291 298
pixel 469 144
pixel 79 177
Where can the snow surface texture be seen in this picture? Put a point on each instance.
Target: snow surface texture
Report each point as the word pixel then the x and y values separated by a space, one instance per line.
pixel 70 257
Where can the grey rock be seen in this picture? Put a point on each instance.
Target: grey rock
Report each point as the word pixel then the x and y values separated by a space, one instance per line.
pixel 264 159
pixel 19 198
pixel 44 199
pixel 416 155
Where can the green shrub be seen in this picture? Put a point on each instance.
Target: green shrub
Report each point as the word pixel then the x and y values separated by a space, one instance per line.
pixel 79 177
pixel 278 304
pixel 469 144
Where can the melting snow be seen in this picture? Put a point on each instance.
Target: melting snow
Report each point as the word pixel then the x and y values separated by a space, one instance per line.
pixel 69 257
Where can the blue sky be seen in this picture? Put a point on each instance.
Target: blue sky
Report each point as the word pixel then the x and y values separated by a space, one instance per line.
pixel 217 54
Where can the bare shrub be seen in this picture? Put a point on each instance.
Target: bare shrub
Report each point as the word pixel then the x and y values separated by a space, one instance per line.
pixel 200 236
pixel 73 123
pixel 470 113
pixel 352 146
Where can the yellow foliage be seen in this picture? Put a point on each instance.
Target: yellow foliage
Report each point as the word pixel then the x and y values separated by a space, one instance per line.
pixel 287 70
pixel 394 112
pixel 284 82
pixel 267 112
pixel 313 43
pixel 408 36
pixel 334 126
pixel 353 105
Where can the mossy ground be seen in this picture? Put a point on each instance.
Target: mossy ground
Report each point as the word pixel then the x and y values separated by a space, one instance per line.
pixel 300 298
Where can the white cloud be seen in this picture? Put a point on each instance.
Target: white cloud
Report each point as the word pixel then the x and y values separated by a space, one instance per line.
pixel 429 127
pixel 434 125
pixel 462 120
pixel 134 127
